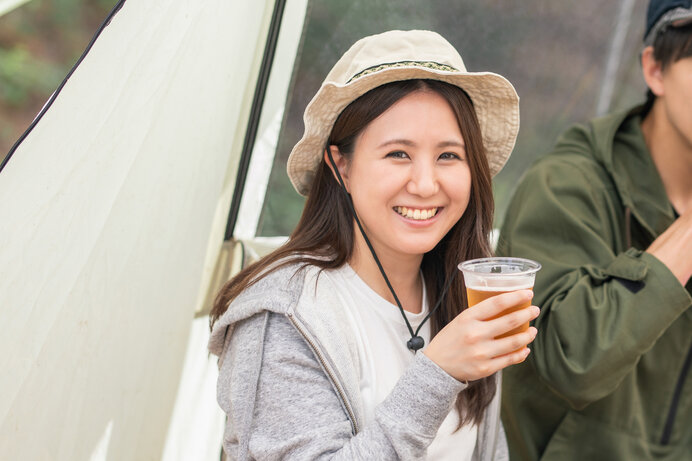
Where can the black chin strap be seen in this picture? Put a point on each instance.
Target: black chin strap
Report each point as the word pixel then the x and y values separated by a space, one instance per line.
pixel 416 342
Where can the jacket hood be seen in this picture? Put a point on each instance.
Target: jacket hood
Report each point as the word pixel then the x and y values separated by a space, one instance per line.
pixel 618 144
pixel 314 309
pixel 278 292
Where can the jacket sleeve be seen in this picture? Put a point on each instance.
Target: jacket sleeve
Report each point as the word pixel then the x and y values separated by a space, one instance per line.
pixel 601 308
pixel 296 414
pixel 501 448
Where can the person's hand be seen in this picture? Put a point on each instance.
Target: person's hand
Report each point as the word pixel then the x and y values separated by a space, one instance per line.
pixel 674 247
pixel 467 349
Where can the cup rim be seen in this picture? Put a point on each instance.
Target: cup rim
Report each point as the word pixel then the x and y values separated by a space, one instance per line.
pixel 533 266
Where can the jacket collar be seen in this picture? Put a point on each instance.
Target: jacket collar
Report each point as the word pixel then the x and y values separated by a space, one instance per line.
pixel 620 144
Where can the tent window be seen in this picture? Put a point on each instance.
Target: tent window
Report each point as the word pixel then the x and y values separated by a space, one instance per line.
pixel 567 60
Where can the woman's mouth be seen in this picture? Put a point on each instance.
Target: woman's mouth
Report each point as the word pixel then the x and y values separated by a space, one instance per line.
pixel 416 213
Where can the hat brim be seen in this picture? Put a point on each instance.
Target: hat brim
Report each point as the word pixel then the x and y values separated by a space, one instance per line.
pixel 676 17
pixel 495 101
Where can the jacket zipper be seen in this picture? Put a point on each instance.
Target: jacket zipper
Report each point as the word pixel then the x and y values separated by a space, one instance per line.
pixel 323 362
pixel 668 428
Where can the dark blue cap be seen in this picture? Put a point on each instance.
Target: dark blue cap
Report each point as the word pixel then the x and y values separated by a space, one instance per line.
pixel 657 8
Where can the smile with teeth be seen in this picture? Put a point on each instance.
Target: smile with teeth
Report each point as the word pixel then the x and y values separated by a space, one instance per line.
pixel 416 213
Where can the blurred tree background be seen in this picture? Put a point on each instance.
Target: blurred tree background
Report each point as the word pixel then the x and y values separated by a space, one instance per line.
pixel 569 61
pixel 39 42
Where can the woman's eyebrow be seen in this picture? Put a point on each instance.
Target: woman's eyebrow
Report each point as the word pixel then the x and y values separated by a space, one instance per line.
pixel 452 143
pixel 408 142
pixel 405 142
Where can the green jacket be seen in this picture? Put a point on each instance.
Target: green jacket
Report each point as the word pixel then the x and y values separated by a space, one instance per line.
pixel 609 374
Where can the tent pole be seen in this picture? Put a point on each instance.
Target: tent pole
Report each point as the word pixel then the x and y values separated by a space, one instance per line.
pixel 255 112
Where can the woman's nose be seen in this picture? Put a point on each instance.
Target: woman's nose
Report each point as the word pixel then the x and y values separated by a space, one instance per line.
pixel 423 181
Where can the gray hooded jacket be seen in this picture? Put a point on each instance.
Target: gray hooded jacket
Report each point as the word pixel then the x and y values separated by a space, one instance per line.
pixel 289 383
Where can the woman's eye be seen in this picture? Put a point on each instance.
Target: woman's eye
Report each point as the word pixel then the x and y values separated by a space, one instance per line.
pixel 397 154
pixel 450 156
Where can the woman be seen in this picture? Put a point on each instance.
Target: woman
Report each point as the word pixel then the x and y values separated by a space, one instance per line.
pixel 320 342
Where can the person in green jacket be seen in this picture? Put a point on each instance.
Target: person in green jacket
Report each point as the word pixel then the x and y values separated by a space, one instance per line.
pixel 609 216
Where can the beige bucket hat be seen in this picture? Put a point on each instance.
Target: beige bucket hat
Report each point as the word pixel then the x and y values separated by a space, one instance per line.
pixel 404 55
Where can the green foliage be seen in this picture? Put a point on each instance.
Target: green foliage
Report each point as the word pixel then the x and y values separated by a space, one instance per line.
pixel 21 76
pixel 39 42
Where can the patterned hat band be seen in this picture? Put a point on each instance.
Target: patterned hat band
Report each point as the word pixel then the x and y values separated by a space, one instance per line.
pixel 427 64
pixel 399 55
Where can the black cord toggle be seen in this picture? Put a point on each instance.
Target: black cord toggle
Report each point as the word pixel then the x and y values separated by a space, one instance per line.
pixel 415 343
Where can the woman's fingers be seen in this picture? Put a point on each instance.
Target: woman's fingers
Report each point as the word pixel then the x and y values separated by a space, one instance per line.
pixel 510 344
pixel 513 358
pixel 482 365
pixel 511 320
pixel 494 306
pixel 472 347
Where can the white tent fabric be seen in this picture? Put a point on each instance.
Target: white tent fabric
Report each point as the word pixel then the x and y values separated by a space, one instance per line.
pixel 197 423
pixel 107 216
pixel 196 429
pixel 8 5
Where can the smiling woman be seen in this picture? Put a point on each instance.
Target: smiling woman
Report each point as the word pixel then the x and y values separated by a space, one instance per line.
pixel 417 145
pixel 400 143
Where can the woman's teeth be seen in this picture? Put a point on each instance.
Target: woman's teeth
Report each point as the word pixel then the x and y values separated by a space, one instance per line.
pixel 415 213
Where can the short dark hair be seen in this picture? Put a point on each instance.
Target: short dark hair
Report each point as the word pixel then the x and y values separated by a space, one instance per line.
pixel 671 45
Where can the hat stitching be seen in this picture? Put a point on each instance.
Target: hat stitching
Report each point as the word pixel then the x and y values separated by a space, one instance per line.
pixel 427 64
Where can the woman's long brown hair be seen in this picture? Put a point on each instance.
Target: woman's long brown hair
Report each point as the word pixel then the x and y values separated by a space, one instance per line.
pixel 324 235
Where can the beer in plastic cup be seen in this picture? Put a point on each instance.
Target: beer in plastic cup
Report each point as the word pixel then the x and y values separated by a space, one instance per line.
pixel 487 277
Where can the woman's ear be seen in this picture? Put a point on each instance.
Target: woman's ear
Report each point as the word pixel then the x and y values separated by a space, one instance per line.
pixel 652 71
pixel 340 161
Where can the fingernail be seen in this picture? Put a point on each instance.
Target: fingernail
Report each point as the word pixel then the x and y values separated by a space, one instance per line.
pixel 535 310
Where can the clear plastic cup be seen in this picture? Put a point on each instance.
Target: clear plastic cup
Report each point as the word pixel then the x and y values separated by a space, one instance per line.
pixel 488 277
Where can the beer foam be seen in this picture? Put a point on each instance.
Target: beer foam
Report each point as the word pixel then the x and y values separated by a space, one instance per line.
pixel 500 283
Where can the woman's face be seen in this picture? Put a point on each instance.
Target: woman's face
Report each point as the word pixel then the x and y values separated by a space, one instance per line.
pixel 409 175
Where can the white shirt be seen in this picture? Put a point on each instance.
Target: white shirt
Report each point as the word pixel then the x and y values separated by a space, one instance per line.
pixel 381 335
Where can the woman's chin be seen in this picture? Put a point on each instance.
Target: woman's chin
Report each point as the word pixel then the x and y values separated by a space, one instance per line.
pixel 416 249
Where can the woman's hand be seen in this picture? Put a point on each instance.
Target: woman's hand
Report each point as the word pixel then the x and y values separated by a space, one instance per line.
pixel 467 349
